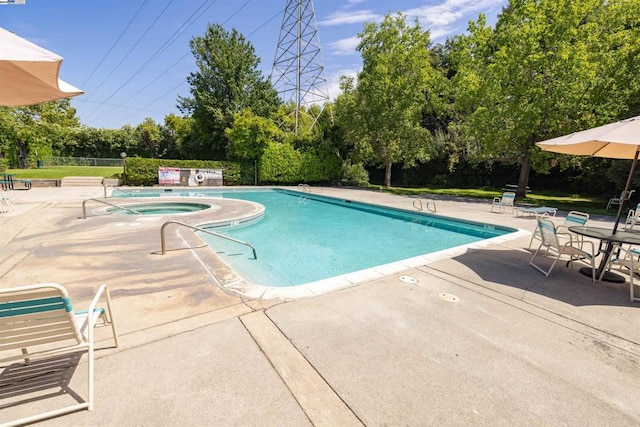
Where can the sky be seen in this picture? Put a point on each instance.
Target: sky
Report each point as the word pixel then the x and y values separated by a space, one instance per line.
pixel 132 57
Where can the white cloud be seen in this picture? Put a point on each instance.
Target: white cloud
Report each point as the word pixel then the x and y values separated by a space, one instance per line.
pixel 350 17
pixel 344 47
pixel 333 80
pixel 440 18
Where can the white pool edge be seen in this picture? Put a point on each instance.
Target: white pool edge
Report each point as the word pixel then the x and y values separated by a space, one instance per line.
pixel 246 289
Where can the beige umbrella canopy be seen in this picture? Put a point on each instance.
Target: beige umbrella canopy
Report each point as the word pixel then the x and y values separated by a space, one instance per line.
pixel 29 73
pixel 619 140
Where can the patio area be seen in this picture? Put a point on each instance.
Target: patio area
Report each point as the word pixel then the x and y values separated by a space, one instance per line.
pixel 481 338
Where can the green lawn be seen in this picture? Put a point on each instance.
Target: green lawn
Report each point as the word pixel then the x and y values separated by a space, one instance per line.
pixel 563 201
pixel 58 172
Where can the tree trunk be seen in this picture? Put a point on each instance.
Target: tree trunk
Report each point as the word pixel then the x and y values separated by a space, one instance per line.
pixel 525 170
pixel 387 175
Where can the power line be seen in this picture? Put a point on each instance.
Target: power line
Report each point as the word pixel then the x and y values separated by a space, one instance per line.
pixel 157 53
pixel 166 70
pixel 115 43
pixel 131 50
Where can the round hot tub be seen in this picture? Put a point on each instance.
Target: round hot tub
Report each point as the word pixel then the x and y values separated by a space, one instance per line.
pixel 158 208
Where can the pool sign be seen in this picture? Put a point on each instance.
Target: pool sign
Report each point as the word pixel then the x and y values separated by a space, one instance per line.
pixel 168 176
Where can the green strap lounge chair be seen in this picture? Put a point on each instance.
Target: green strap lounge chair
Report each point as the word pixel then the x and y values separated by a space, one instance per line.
pixel 38 322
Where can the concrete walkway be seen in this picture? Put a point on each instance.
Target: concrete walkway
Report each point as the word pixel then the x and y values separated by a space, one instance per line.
pixel 480 338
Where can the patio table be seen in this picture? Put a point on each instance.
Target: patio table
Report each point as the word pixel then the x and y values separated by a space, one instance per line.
pixel 605 235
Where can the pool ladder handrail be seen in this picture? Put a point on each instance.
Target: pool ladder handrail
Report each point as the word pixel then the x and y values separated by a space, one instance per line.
pixel 430 205
pixel 204 230
pixel 305 188
pixel 84 207
pixel 115 188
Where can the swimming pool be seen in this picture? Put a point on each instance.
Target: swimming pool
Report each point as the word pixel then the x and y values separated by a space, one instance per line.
pixel 305 237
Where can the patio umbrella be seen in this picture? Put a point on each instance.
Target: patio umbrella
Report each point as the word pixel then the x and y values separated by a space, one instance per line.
pixel 619 140
pixel 29 73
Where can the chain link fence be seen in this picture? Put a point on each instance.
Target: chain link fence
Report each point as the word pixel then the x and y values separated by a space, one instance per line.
pixel 79 161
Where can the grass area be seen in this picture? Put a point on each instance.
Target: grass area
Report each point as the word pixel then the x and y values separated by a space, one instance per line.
pixel 563 201
pixel 58 172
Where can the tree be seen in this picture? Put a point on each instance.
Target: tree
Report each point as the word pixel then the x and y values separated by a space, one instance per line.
pixel 249 135
pixel 227 81
pixel 149 139
pixel 177 132
pixel 29 132
pixel 549 68
pixel 382 115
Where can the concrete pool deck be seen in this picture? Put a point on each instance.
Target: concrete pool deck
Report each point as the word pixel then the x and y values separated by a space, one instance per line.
pixel 481 338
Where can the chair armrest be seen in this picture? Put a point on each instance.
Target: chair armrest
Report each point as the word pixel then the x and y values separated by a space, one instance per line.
pixel 93 307
pixel 496 199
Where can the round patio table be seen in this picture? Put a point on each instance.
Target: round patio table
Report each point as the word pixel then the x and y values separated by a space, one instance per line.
pixel 607 236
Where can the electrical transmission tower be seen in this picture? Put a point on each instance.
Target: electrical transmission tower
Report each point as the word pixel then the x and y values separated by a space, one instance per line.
pixel 298 70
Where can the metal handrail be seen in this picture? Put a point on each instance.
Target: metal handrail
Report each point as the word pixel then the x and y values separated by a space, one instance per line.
pixel 116 188
pixel 304 188
pixel 431 205
pixel 204 230
pixel 84 207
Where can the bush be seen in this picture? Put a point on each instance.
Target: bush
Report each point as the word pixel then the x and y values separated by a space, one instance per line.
pixel 281 163
pixel 4 164
pixel 354 174
pixel 141 171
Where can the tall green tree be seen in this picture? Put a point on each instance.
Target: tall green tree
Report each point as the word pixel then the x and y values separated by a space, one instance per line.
pixel 29 132
pixel 549 67
pixel 227 81
pixel 382 116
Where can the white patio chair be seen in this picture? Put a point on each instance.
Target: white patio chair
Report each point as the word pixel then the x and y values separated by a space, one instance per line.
pixel 502 203
pixel 551 244
pixel 633 218
pixel 39 320
pixel 573 218
pixel 5 201
pixel 628 259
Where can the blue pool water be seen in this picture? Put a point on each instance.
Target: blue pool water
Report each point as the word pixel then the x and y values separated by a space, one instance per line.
pixel 303 238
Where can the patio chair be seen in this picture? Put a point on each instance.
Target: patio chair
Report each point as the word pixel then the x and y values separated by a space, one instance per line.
pixel 5 201
pixel 633 218
pixel 573 218
pixel 550 243
pixel 628 259
pixel 504 202
pixel 613 201
pixel 39 320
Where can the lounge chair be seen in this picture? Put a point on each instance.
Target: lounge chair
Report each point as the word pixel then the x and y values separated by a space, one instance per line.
pixel 39 320
pixel 504 202
pixel 550 243
pixel 573 218
pixel 537 211
pixel 630 260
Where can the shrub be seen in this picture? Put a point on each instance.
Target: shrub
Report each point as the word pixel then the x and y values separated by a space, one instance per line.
pixel 281 163
pixel 141 171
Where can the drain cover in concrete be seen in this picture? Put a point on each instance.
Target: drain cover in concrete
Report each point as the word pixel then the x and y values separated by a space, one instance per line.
pixel 449 297
pixel 408 279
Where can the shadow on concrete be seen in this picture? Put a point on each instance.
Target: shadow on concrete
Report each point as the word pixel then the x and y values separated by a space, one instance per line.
pixel 510 267
pixel 45 379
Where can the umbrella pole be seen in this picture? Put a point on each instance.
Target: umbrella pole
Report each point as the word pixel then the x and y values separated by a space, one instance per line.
pixel 625 193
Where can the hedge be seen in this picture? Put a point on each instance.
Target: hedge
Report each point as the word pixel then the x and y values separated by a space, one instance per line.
pixel 141 171
pixel 281 163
